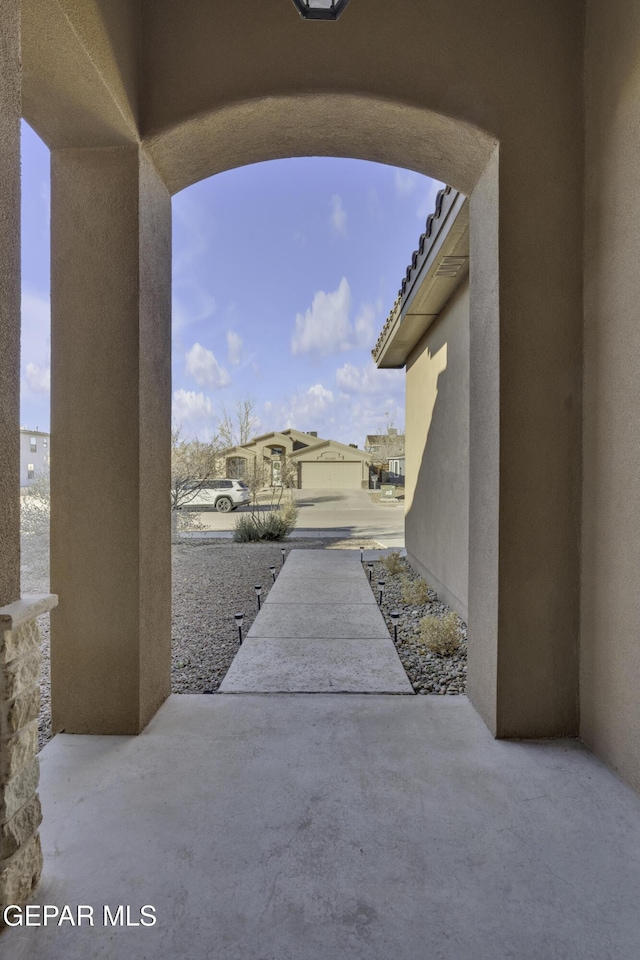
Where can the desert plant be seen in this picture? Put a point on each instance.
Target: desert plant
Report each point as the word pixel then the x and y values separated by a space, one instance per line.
pixel 415 591
pixel 441 636
pixel 394 563
pixel 274 524
pixel 188 523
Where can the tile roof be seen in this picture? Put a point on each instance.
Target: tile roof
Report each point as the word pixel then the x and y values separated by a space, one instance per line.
pixel 416 259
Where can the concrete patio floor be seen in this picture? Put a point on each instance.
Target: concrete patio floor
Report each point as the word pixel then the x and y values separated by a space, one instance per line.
pixel 301 827
pixel 349 825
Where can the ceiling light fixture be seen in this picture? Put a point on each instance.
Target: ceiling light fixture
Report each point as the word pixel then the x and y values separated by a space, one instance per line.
pixel 320 9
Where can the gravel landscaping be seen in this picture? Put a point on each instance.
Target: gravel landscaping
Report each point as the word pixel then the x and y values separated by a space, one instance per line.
pixel 214 580
pixel 211 582
pixel 428 672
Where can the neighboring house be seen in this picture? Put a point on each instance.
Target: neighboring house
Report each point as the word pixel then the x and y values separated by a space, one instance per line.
pixel 384 447
pixel 328 464
pixel 428 333
pixel 319 463
pixel 397 466
pixel 35 452
pixel 268 449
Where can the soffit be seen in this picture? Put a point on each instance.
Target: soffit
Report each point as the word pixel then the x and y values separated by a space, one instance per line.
pixel 437 269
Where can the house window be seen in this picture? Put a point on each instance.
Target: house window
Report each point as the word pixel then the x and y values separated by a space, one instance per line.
pixel 30 471
pixel 44 444
pixel 237 468
pixel 33 445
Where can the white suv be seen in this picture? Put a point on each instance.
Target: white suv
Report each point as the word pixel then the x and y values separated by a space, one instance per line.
pixel 221 495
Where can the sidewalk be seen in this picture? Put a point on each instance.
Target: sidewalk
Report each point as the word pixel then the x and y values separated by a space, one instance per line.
pixel 319 631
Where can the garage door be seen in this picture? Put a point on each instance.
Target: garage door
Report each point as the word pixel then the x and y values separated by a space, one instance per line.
pixel 336 475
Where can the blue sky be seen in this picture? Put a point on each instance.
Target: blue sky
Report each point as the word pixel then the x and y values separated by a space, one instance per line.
pixel 283 275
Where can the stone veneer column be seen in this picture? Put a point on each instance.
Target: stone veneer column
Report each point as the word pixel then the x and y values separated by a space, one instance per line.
pixel 111 420
pixel 20 814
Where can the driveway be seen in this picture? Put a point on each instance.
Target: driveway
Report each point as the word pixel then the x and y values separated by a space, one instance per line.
pixel 340 513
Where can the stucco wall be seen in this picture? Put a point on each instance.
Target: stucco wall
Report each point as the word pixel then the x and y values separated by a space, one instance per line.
pixel 10 302
pixel 610 644
pixel 437 453
pixel 444 89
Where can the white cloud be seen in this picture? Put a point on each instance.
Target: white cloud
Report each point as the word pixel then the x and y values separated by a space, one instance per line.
pixel 310 409
pixel 347 416
pixel 204 368
pixel 338 215
pixel 320 396
pixel 365 324
pixel 369 379
pixel 325 328
pixel 38 378
pixel 234 347
pixel 191 407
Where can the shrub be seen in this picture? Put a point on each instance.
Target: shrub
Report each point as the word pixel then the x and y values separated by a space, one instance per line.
pixel 441 636
pixel 188 522
pixel 394 563
pixel 274 524
pixel 415 592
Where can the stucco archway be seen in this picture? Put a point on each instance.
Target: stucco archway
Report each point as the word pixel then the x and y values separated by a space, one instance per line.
pixel 139 100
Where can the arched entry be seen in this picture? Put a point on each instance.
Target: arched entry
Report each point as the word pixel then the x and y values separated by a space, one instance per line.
pixel 221 85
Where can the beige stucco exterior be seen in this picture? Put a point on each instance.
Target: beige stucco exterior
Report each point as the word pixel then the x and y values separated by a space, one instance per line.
pixel 492 98
pixel 328 464
pixel 303 448
pixel 609 647
pixel 437 453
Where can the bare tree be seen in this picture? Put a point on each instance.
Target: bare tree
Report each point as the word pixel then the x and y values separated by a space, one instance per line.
pixel 389 442
pixel 193 462
pixel 276 516
pixel 239 426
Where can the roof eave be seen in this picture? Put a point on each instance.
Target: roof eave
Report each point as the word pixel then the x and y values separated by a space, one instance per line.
pixel 437 269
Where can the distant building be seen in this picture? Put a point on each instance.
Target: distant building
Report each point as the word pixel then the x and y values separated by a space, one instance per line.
pixel 35 453
pixel 387 454
pixel 319 463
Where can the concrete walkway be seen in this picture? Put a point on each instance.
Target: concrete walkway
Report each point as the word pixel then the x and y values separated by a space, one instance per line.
pixel 332 827
pixel 319 631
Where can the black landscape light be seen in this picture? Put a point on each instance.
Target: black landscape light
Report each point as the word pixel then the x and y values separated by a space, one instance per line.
pixel 258 590
pixel 239 618
pixel 320 9
pixel 380 588
pixel 395 616
pixel 283 552
pixel 370 568
pixel 361 554
pixel 273 572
